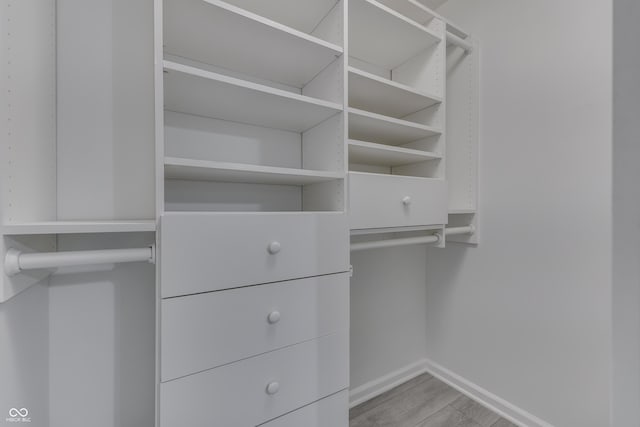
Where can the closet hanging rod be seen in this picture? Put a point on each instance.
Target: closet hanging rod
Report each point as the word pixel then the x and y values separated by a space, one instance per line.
pixel 460 42
pixel 433 238
pixel 16 261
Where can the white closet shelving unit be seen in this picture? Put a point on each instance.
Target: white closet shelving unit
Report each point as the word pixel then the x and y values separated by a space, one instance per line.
pixel 254 233
pixel 282 128
pixel 396 98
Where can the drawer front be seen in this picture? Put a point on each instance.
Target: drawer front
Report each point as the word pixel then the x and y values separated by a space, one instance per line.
pixel 203 252
pixel 381 201
pixel 258 389
pixel 332 411
pixel 208 330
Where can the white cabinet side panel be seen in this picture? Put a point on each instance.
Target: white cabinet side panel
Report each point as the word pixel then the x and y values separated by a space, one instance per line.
pixel 462 128
pixel 27 118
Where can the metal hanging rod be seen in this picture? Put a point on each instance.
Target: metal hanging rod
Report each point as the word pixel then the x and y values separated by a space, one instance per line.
pixel 456 231
pixel 16 261
pixel 460 42
pixel 433 238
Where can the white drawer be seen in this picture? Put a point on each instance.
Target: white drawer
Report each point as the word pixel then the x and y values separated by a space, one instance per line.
pixel 237 395
pixel 203 252
pixel 208 330
pixel 381 201
pixel 332 411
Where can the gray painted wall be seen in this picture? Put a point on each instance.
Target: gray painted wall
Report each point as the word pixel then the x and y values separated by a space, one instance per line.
pixel 102 332
pixel 24 351
pixel 527 314
pixel 388 318
pixel 626 214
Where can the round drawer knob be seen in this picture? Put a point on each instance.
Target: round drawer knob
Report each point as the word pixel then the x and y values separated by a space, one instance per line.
pixel 406 200
pixel 274 247
pixel 273 317
pixel 273 387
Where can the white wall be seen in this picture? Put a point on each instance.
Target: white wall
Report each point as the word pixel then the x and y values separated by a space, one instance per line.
pixel 102 339
pixel 388 317
pixel 24 348
pixel 527 315
pixel 626 214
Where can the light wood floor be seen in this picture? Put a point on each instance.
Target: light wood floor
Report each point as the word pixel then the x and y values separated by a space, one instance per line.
pixel 424 401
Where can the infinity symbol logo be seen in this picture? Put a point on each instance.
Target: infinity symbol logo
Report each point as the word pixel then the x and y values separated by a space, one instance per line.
pixel 23 412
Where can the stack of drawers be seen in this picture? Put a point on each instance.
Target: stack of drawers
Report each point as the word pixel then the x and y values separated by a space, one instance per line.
pixel 254 319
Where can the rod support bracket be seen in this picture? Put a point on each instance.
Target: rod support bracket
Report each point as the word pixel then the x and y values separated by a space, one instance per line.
pixel 12 262
pixel 152 258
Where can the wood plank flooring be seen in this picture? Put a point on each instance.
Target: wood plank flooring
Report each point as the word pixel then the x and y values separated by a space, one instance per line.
pixel 424 401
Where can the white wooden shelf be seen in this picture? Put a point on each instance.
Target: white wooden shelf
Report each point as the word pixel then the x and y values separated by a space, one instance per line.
pixel 203 93
pixel 372 127
pixel 385 155
pixel 215 32
pixel 381 36
pixel 462 211
pixel 303 15
pixel 373 93
pixel 206 170
pixel 411 9
pixel 73 227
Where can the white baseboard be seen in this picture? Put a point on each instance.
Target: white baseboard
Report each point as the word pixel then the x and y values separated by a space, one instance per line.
pixel 489 400
pixel 378 386
pixel 500 406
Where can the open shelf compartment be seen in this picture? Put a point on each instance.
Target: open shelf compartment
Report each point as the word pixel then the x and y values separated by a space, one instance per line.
pixel 198 92
pixel 221 34
pixel 385 155
pixel 370 92
pixel 372 127
pixel 401 39
pixel 302 15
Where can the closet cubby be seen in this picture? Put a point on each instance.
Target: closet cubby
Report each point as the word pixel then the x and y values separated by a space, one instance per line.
pixel 396 116
pixel 230 36
pixel 78 139
pixel 253 105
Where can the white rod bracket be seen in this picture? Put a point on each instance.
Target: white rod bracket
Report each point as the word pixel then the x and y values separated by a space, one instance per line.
pixel 12 262
pixel 16 261
pixel 459 42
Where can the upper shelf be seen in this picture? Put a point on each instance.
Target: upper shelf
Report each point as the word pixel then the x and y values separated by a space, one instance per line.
pixel 303 15
pixel 194 91
pixel 371 127
pixel 215 32
pixel 411 9
pixel 384 155
pixel 381 36
pixel 207 170
pixel 373 93
pixel 77 227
